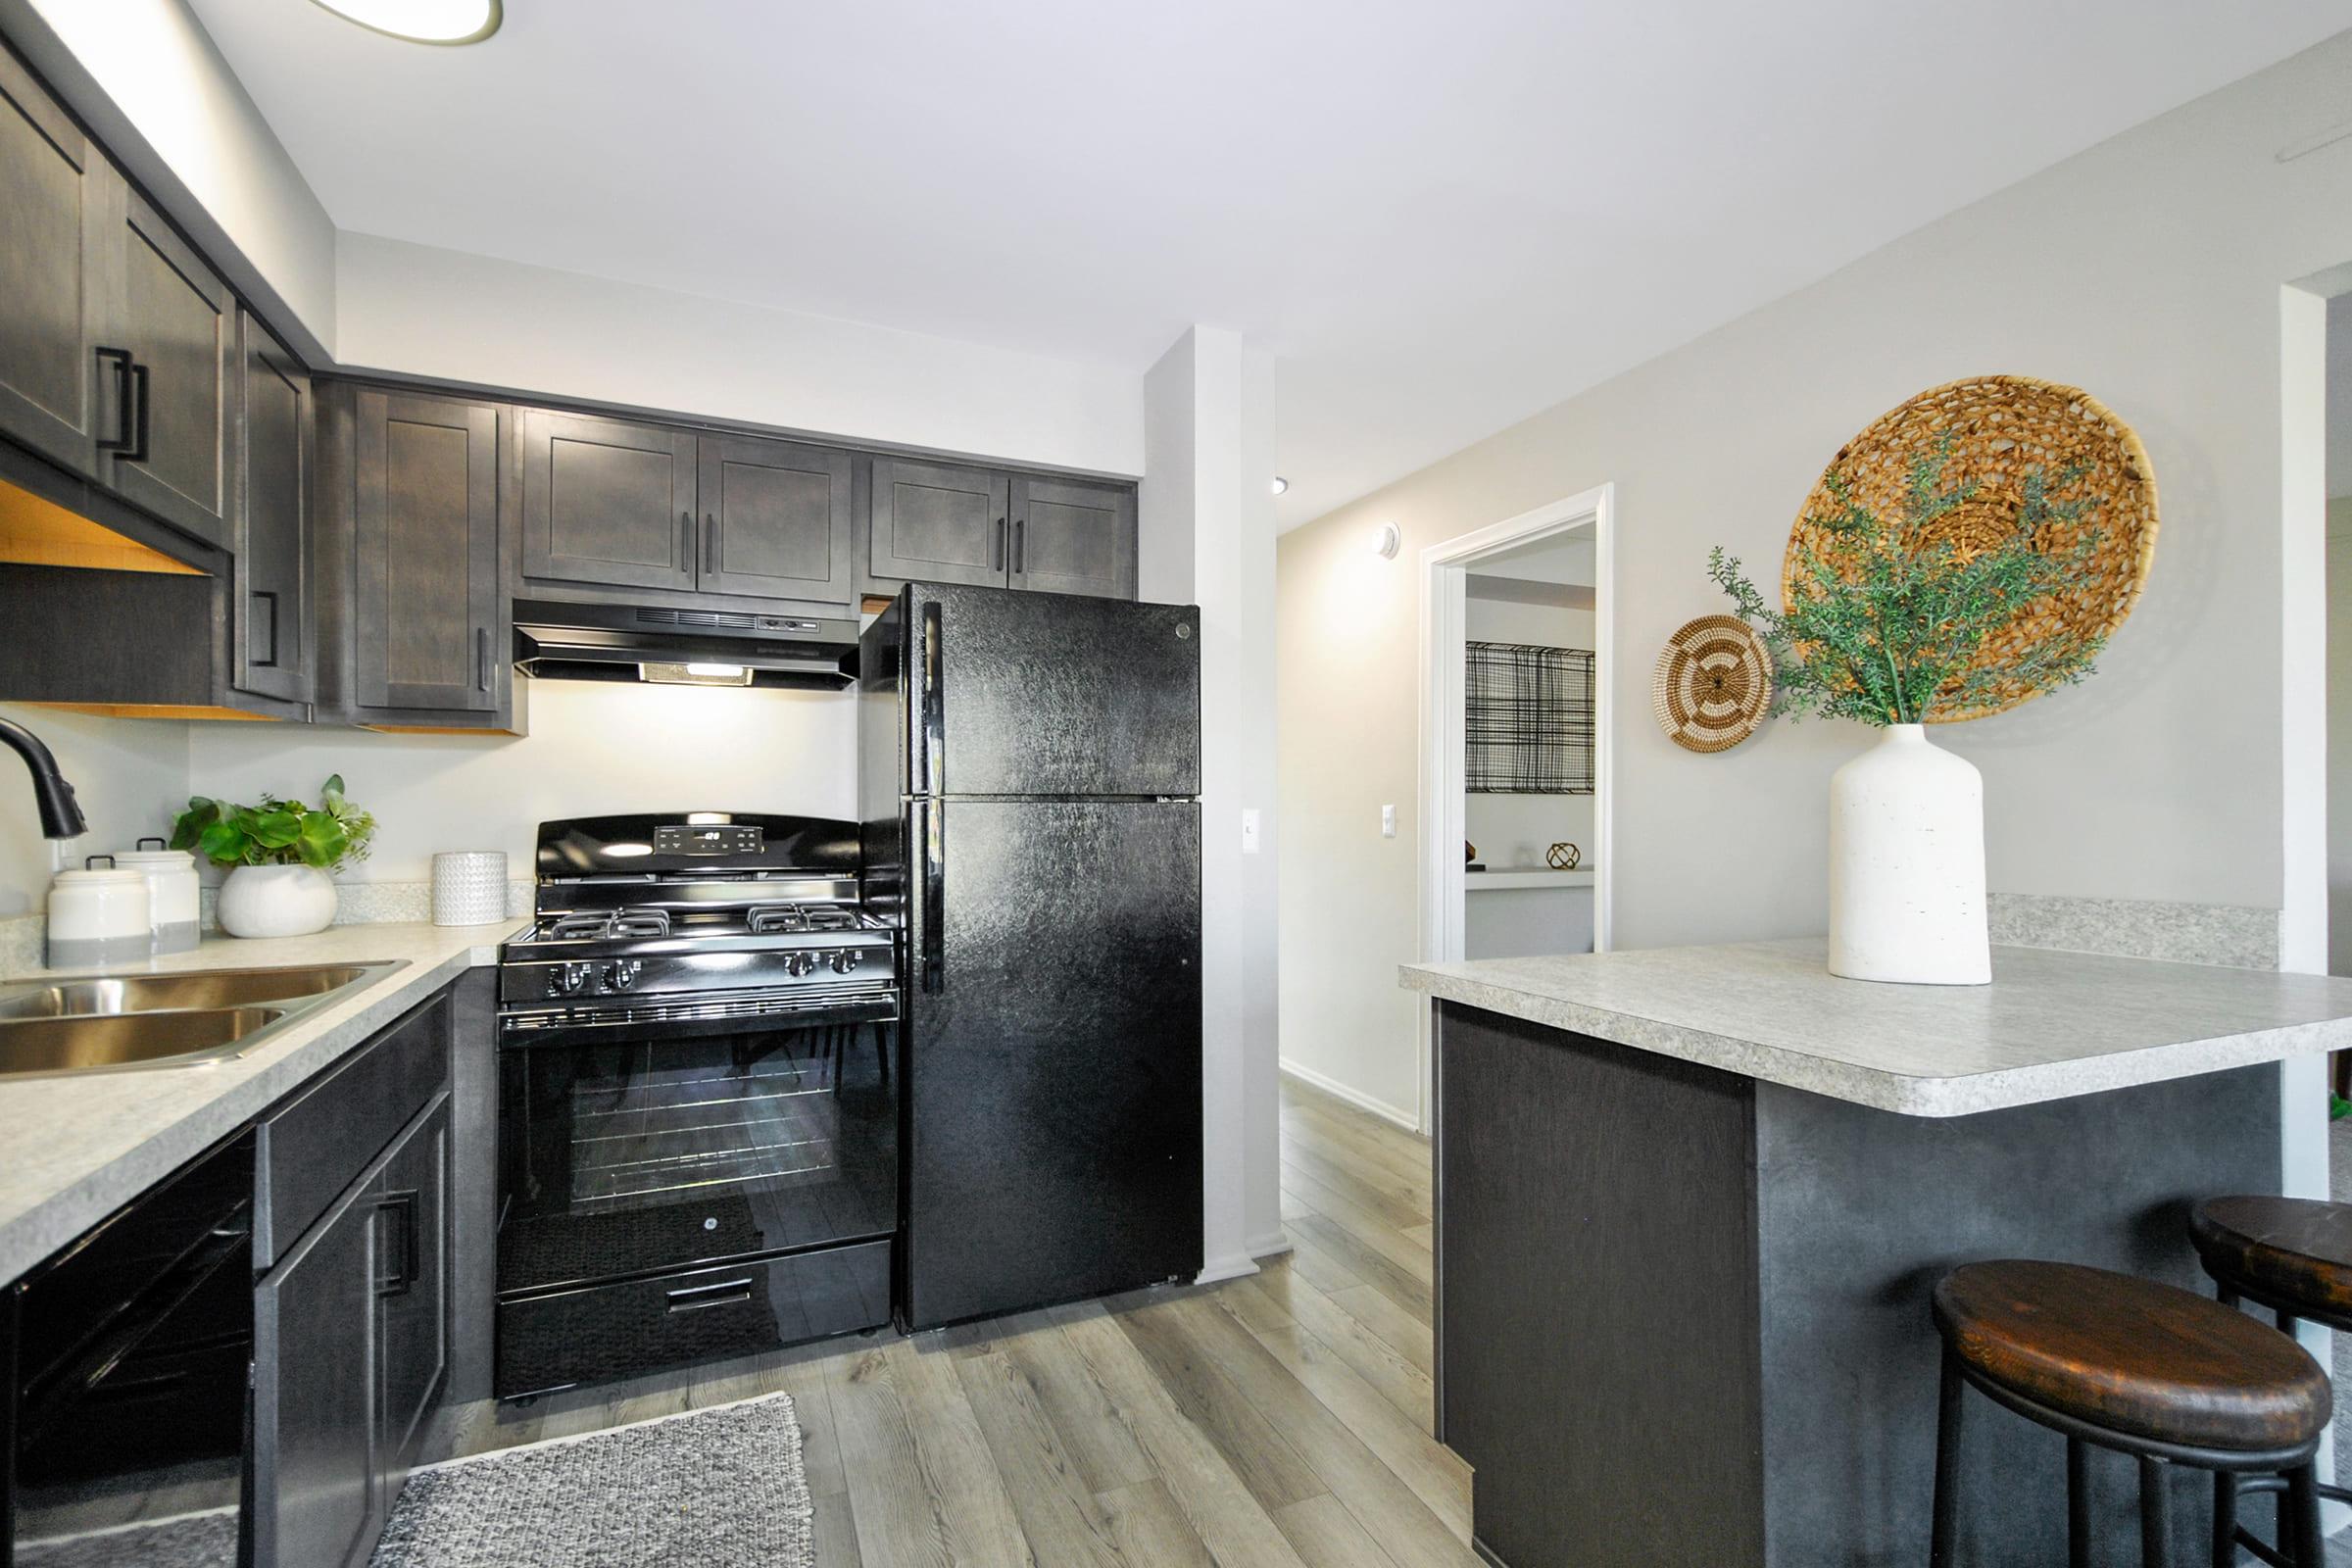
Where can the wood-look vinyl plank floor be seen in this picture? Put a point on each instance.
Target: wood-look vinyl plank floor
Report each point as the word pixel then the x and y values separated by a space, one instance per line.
pixel 1279 1421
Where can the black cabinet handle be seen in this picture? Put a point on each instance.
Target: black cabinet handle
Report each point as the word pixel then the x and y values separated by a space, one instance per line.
pixel 137 452
pixel 403 1206
pixel 120 441
pixel 265 598
pixel 721 1292
pixel 481 658
pixel 686 543
pixel 709 543
pixel 996 547
pixel 1020 553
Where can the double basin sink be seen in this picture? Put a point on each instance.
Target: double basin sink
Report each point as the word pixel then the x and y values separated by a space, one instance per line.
pixel 117 1023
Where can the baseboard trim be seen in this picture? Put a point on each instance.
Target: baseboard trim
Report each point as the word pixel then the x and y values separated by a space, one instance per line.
pixel 1232 1266
pixel 1354 1096
pixel 1272 1244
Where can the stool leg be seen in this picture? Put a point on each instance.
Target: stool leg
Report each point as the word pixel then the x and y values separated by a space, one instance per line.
pixel 2225 1519
pixel 2077 1503
pixel 2155 1520
pixel 2286 1322
pixel 1943 1536
pixel 2303 1502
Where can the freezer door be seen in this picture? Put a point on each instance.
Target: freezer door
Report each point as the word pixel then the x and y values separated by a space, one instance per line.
pixel 1019 692
pixel 1052 1056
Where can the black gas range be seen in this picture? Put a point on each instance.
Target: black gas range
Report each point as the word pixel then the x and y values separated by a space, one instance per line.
pixel 697 1101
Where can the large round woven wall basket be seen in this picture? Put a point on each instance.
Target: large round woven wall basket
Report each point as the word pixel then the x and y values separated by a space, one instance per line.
pixel 1713 684
pixel 2002 428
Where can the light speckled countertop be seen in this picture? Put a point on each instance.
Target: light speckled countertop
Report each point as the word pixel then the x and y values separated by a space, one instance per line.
pixel 2051 1025
pixel 74 1149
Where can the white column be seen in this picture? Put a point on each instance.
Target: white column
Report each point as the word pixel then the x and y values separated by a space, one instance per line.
pixel 1207 535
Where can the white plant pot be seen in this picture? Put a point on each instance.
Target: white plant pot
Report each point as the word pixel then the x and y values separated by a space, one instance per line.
pixel 1907 865
pixel 276 901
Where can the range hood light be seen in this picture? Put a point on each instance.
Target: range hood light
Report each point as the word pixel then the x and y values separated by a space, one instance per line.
pixel 695 675
pixel 422 21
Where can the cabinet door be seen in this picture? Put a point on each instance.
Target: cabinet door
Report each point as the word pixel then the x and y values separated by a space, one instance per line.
pixel 178 323
pixel 412 1206
pixel 313 1391
pixel 272 543
pixel 63 204
pixel 606 501
pixel 425 529
pixel 775 519
pixel 939 522
pixel 1070 537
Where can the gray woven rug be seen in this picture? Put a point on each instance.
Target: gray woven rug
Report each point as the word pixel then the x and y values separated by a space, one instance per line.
pixel 716 1489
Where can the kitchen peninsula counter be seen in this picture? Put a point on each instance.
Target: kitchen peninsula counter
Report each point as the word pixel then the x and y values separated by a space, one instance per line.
pixel 1691 1204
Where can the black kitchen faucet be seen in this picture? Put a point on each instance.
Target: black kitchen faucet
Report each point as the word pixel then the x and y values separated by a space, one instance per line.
pixel 61 817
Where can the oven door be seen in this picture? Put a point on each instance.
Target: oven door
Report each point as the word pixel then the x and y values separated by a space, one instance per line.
pixel 654 1142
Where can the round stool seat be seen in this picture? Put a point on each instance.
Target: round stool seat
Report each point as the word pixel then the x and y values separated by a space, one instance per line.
pixel 2132 1355
pixel 2295 1251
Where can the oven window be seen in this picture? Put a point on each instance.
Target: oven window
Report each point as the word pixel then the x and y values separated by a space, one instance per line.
pixel 641 1154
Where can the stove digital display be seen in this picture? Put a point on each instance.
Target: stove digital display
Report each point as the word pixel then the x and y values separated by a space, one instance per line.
pixel 671 838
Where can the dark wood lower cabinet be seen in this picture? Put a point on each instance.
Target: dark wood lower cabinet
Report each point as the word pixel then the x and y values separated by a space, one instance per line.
pixel 314 1396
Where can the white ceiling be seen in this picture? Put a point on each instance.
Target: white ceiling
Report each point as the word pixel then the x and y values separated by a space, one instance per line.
pixel 1441 218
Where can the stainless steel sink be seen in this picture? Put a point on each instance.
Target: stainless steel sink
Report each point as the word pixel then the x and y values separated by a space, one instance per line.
pixel 119 1023
pixel 158 993
pixel 109 1042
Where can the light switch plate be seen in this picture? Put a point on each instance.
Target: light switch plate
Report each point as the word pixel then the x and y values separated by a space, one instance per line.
pixel 1249 830
pixel 1388 821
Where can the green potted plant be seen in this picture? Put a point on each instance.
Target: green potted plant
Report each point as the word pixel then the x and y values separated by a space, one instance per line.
pixel 1885 623
pixel 281 856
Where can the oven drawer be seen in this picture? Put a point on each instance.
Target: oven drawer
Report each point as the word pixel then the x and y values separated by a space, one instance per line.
pixel 315 1145
pixel 609 1332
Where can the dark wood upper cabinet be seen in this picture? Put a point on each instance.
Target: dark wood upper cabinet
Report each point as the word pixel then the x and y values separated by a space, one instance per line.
pixel 271 611
pixel 63 204
pixel 776 520
pixel 425 569
pixel 939 522
pixel 1072 537
pixel 178 323
pixel 606 501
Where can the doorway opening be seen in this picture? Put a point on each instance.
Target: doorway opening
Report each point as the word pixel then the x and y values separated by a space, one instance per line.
pixel 1542 582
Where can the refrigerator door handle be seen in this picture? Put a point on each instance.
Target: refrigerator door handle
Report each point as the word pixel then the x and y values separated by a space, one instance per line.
pixel 934 900
pixel 935 709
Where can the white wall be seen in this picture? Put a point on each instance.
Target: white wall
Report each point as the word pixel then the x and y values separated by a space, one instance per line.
pixel 594 747
pixel 131 776
pixel 2339 730
pixel 149 68
pixel 2162 778
pixel 417 311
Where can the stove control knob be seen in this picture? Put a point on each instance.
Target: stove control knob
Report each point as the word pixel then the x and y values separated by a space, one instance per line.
pixel 845 960
pixel 566 979
pixel 621 975
pixel 800 964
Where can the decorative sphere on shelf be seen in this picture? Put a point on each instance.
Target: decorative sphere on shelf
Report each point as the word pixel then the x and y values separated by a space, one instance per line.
pixel 1563 856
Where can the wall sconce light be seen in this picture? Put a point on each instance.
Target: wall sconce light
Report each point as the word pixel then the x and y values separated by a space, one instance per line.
pixel 1281 484
pixel 1387 541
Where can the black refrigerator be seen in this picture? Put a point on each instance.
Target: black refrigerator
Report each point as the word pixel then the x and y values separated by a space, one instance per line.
pixel 1030 776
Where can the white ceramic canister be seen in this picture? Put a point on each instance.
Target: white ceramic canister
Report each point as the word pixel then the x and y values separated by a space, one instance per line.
pixel 98 915
pixel 173 893
pixel 469 887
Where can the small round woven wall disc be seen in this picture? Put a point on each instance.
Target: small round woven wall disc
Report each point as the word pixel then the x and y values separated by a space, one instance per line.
pixel 1714 684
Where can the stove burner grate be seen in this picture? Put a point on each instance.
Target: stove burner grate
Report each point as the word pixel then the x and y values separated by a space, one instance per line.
pixel 596 923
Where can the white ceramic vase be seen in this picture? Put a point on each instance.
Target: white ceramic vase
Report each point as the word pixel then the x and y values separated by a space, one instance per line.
pixel 276 901
pixel 1907 865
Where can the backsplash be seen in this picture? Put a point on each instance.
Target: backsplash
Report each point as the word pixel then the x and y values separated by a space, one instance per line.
pixel 23 938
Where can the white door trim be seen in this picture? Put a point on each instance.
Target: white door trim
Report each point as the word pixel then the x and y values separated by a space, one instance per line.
pixel 1445 572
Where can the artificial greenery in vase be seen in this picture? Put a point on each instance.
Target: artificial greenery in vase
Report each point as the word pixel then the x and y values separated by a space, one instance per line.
pixel 1884 624
pixel 278 832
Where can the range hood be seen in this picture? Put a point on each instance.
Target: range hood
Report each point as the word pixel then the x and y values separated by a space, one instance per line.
pixel 556 641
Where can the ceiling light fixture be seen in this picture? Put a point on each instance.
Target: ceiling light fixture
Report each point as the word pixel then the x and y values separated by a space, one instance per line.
pixel 422 21
pixel 1281 484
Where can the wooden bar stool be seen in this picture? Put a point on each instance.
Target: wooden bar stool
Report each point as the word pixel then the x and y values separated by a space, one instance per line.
pixel 2290 1255
pixel 2137 1367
